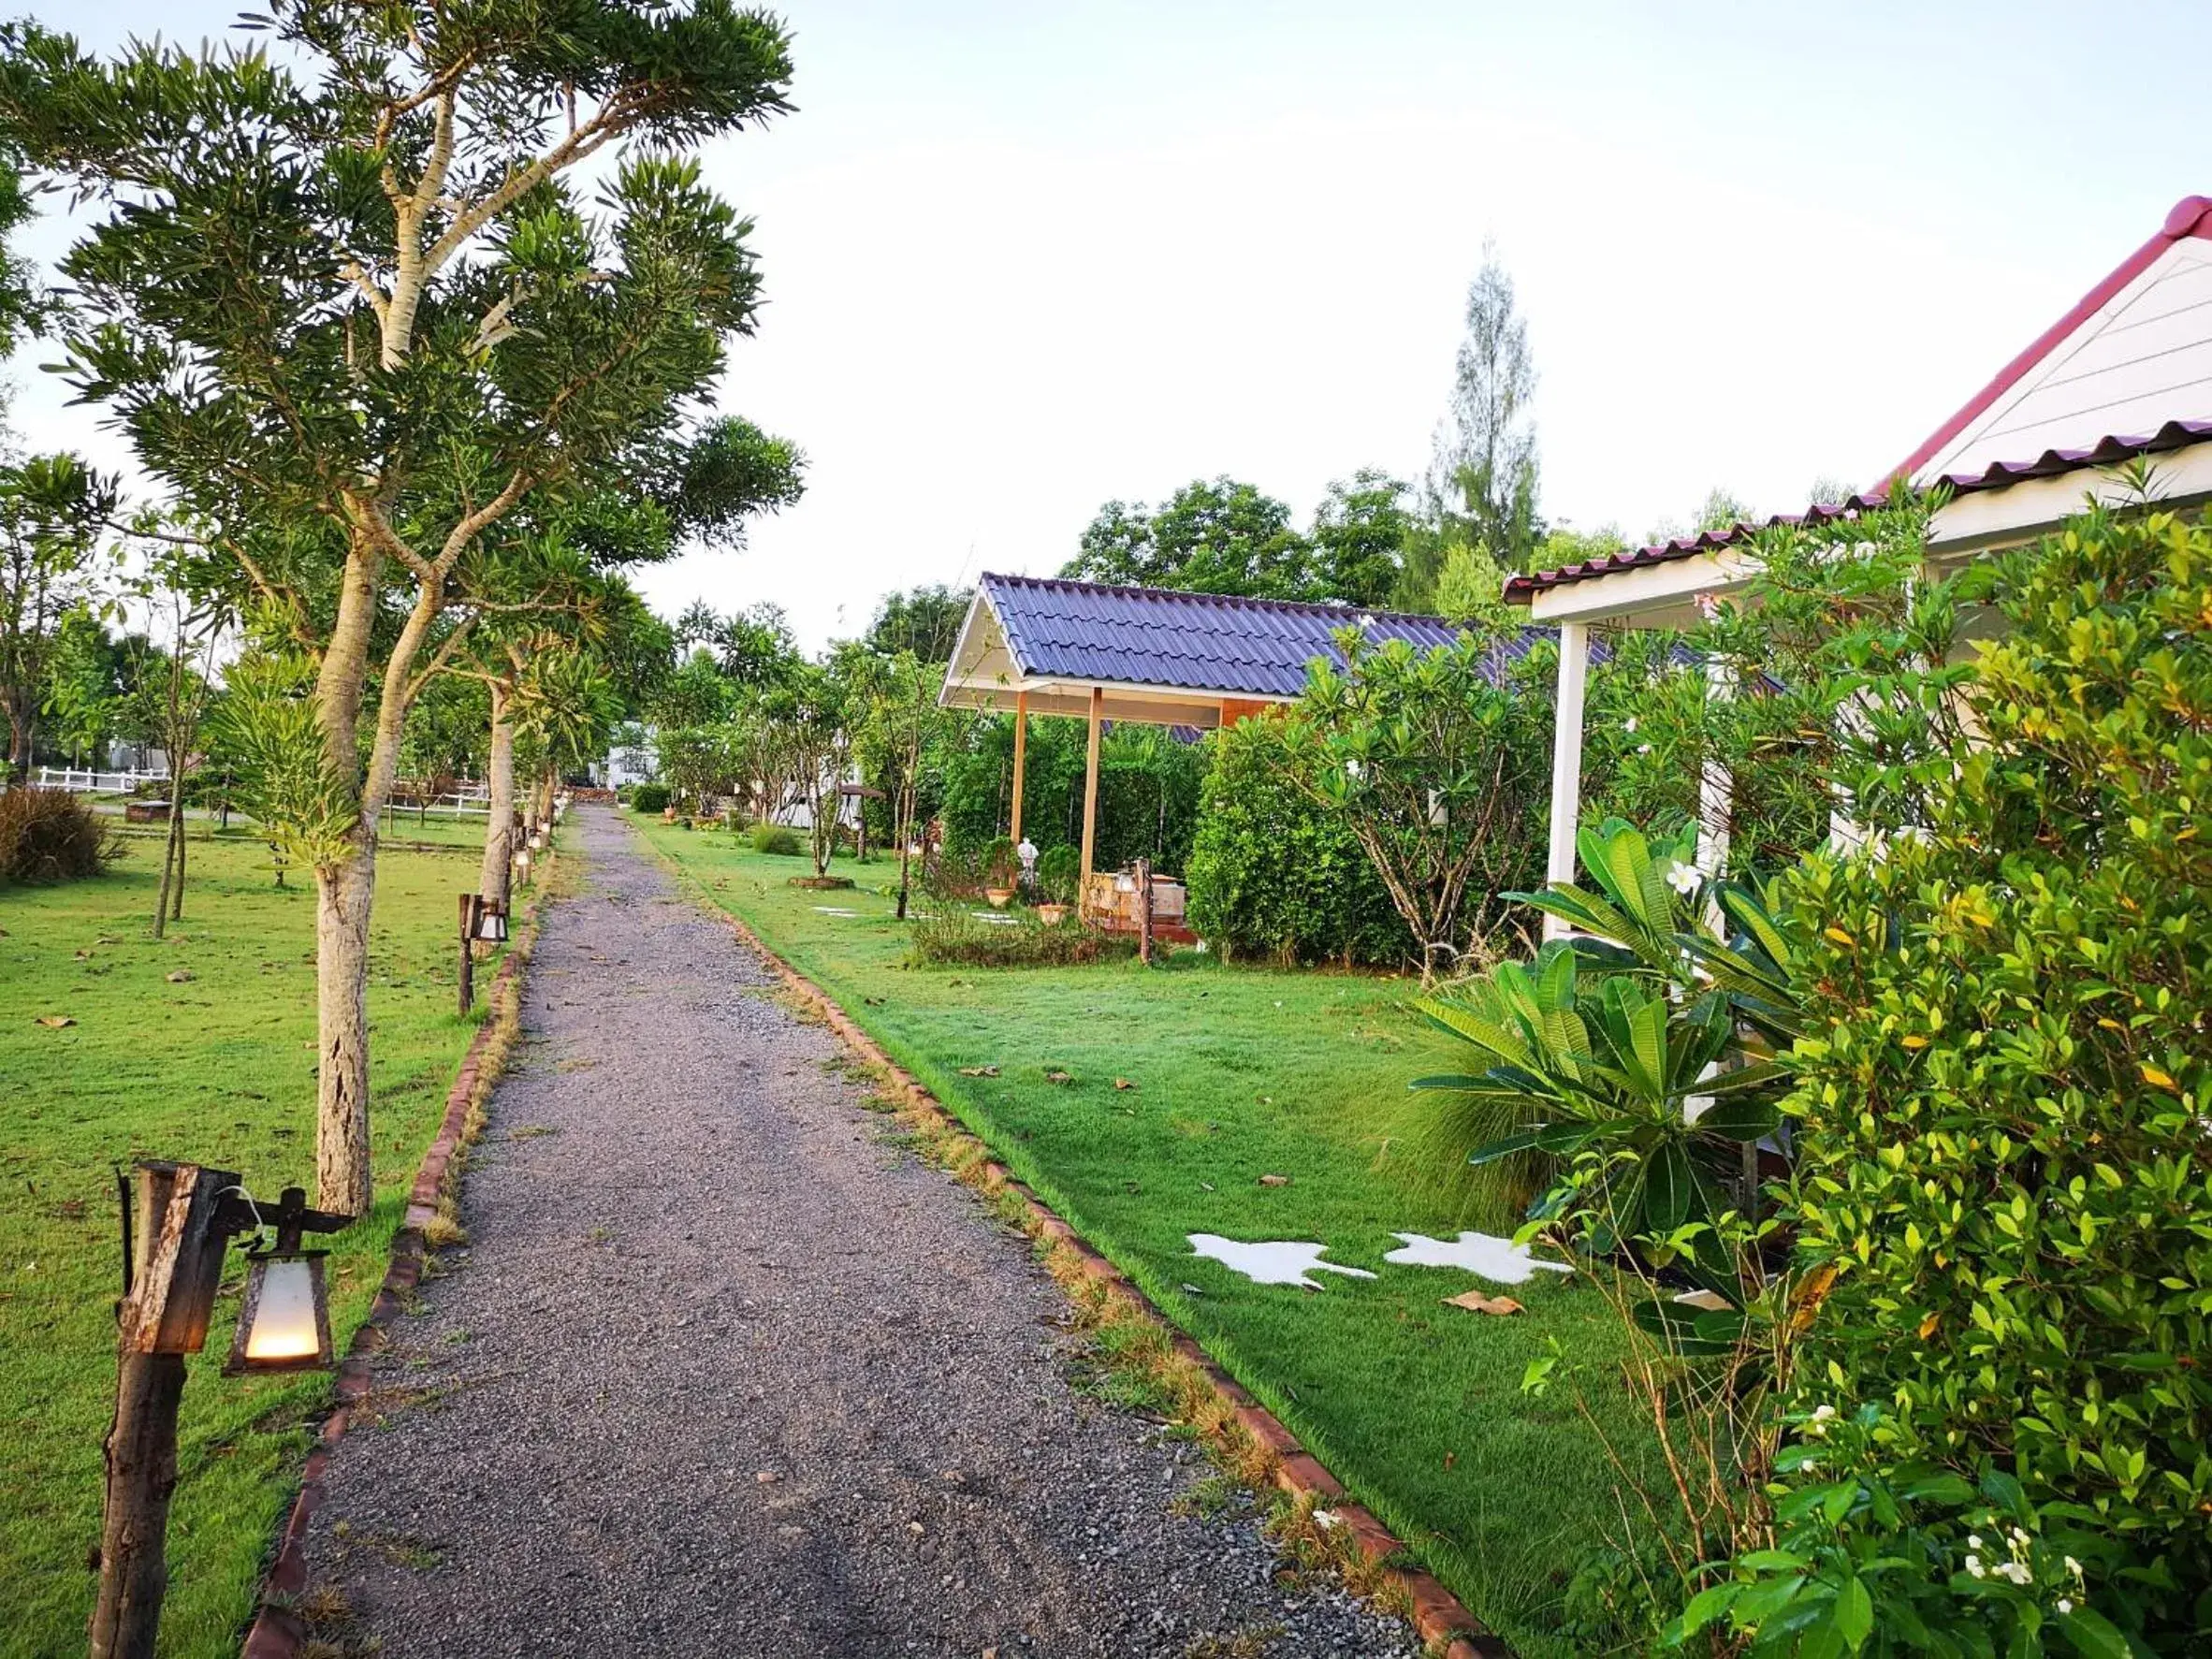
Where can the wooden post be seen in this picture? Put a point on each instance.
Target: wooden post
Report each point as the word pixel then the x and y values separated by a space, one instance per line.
pixel 1145 911
pixel 470 905
pixel 1090 793
pixel 177 1262
pixel 1021 759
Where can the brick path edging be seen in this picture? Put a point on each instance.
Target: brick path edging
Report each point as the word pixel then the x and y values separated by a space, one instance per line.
pixel 1439 1618
pixel 277 1631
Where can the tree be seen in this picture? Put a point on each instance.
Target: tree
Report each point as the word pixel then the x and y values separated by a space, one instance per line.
pixel 1220 536
pixel 351 313
pixel 53 510
pixel 1359 538
pixel 899 721
pixel 185 592
pixel 751 647
pixel 1437 760
pixel 925 621
pixel 1485 465
pixel 810 722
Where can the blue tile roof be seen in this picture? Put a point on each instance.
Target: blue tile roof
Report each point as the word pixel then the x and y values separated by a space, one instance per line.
pixel 1197 642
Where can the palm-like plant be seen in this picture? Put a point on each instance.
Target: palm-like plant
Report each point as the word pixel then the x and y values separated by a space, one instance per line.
pixel 1641 1054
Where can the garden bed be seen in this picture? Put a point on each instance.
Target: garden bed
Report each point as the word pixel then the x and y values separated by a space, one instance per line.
pixel 1233 1074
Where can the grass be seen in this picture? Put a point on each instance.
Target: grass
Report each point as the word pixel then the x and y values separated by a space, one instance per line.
pixel 1238 1073
pixel 217 1068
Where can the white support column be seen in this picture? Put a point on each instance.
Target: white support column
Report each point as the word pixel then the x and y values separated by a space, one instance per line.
pixel 1716 789
pixel 1566 760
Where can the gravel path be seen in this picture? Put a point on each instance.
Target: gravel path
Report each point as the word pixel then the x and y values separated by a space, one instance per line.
pixel 725 1374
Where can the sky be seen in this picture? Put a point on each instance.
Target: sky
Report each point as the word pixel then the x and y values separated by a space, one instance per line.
pixel 1024 259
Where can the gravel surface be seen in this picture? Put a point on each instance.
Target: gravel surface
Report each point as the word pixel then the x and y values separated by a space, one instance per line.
pixel 724 1372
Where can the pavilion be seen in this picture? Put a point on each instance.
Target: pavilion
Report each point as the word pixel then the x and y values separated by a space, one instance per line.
pixel 2133 355
pixel 1034 645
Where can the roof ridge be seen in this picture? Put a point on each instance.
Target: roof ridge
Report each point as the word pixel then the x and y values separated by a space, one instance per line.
pixel 1255 602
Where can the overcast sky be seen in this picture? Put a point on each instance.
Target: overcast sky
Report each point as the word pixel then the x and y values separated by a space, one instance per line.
pixel 1023 258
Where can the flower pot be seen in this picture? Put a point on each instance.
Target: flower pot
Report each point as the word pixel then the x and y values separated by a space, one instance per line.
pixel 999 897
pixel 1051 915
pixel 668 815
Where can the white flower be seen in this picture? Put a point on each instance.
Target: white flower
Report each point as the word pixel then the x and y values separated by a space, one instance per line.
pixel 2065 1606
pixel 1974 1565
pixel 1683 877
pixel 2019 1534
pixel 2073 1567
pixel 1643 748
pixel 1628 724
pixel 1823 1413
pixel 1325 1518
pixel 2014 1570
pixel 1973 1540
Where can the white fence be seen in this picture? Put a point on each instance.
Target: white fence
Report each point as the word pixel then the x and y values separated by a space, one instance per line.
pixel 91 782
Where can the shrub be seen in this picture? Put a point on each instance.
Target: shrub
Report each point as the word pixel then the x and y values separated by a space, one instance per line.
pixel 48 835
pixel 2003 1181
pixel 1273 874
pixel 1058 870
pixel 1001 864
pixel 778 839
pixel 951 933
pixel 650 797
pixel 1148 790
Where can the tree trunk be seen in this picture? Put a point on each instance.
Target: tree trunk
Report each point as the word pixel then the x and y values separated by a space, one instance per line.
pixel 177 899
pixel 168 865
pixel 498 828
pixel 18 741
pixel 342 896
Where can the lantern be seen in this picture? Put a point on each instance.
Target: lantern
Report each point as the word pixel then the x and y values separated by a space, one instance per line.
pixel 491 922
pixel 283 1322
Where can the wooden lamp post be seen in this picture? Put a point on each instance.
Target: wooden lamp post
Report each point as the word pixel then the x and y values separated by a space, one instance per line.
pixel 174 1237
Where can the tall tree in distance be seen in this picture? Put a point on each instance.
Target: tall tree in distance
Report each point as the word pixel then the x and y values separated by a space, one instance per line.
pixel 349 307
pixel 1481 486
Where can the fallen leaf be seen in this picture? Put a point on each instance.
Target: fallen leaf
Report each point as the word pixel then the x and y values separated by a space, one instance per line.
pixel 180 977
pixel 1059 1079
pixel 1189 1290
pixel 1275 1179
pixel 768 1478
pixel 1122 1083
pixel 1207 1184
pixel 84 956
pixel 979 1072
pixel 1476 1302
pixel 56 1021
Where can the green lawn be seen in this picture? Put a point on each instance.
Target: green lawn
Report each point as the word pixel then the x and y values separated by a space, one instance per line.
pixel 1241 1073
pixel 217 1068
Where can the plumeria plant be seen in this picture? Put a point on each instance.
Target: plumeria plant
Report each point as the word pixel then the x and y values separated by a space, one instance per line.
pixel 1872 1556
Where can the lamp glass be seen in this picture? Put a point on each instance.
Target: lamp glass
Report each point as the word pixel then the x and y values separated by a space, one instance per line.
pixel 284 1322
pixel 491 924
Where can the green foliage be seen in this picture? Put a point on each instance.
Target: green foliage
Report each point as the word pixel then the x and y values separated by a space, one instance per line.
pixel 1359 539
pixel 1059 869
pixel 266 724
pixel 1831 702
pixel 1275 875
pixel 2005 1088
pixel 1595 1052
pixel 1878 1557
pixel 48 835
pixel 1148 790
pixel 1000 863
pixel 777 838
pixel 923 621
pixel 650 797
pixel 1220 536
pixel 1437 761
pixel 951 934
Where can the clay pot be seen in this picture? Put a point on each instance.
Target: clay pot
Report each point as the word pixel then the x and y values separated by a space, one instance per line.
pixel 1051 915
pixel 999 897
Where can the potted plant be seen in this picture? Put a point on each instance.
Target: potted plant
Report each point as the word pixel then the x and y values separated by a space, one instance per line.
pixel 1056 874
pixel 1001 868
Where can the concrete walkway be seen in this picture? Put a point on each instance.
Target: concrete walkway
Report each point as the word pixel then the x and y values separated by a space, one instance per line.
pixel 723 1372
